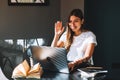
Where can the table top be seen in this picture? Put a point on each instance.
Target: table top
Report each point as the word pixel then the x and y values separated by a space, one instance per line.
pixel 64 76
pixel 70 76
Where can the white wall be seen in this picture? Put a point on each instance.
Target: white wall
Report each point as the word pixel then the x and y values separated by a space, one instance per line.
pixel 28 21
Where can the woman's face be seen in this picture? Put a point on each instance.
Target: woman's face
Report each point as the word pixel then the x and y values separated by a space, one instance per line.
pixel 75 23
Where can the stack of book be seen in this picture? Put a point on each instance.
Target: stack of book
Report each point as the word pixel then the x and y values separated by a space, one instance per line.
pixel 92 71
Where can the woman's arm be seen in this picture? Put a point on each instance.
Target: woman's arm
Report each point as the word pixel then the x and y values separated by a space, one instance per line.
pixel 56 42
pixel 88 53
pixel 58 31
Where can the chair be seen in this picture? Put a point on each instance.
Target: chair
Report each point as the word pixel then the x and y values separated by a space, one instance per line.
pixel 2 76
pixel 10 59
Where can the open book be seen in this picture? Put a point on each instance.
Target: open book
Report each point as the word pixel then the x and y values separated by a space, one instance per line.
pixel 23 70
pixel 91 71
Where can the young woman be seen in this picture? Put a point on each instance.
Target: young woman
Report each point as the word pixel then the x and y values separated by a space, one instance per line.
pixel 78 41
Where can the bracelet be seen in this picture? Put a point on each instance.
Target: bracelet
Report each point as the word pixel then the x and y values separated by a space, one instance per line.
pixel 77 62
pixel 84 60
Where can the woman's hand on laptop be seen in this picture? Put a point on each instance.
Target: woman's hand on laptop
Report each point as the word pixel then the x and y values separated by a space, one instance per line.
pixel 71 66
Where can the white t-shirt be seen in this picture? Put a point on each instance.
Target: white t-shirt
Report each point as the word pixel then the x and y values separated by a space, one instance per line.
pixel 79 45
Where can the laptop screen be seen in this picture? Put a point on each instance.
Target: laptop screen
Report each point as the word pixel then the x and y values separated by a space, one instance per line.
pixel 53 59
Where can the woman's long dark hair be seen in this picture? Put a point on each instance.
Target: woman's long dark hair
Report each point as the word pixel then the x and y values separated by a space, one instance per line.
pixel 70 33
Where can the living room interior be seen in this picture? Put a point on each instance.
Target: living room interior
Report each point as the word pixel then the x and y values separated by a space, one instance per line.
pixel 22 26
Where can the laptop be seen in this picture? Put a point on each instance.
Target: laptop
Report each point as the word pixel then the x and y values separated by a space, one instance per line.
pixel 53 59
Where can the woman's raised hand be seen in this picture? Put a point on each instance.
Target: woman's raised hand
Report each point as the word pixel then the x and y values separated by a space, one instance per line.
pixel 59 29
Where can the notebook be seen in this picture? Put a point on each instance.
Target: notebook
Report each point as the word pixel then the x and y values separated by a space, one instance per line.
pixel 53 59
pixel 92 72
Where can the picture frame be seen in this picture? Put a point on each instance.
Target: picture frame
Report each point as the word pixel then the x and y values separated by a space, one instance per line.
pixel 28 2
